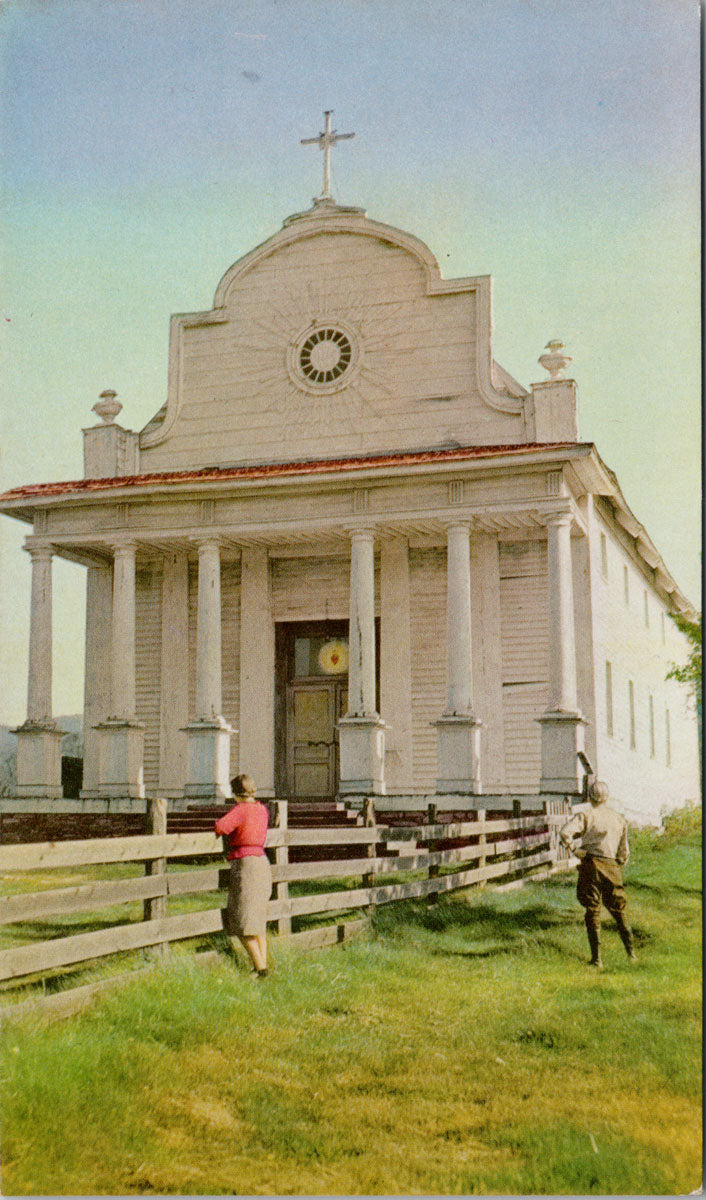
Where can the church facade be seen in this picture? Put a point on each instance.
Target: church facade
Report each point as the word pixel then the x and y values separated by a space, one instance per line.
pixel 352 556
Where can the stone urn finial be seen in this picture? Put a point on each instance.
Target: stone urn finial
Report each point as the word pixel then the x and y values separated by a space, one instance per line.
pixel 107 406
pixel 555 362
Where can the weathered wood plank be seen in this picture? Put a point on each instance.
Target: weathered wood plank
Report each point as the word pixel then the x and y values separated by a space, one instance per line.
pixel 62 952
pixel 46 855
pixel 385 894
pixel 337 868
pixel 325 935
pixel 83 898
pixel 357 835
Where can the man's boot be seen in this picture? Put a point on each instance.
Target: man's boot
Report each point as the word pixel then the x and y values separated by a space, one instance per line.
pixel 594 941
pixel 626 937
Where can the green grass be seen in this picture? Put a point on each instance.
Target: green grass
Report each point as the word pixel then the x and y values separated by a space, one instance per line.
pixel 463 1047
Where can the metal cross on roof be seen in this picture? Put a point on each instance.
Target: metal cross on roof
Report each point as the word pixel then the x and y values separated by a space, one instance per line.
pixel 325 141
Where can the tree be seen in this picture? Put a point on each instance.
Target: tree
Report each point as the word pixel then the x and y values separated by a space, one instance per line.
pixel 690 673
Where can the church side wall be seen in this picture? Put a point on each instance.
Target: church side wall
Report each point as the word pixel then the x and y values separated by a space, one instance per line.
pixel 648 756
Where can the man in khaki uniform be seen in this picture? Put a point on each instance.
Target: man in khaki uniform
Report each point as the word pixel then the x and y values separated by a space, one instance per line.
pixel 603 851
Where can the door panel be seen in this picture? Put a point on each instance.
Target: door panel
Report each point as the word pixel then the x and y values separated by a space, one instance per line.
pixel 311 738
pixel 312 715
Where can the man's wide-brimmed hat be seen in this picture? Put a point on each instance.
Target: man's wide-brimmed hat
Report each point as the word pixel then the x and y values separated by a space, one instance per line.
pixel 243 785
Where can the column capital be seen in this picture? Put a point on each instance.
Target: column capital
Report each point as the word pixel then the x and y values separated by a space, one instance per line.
pixel 41 551
pixel 464 524
pixel 206 541
pixel 558 516
pixel 124 549
pixel 362 530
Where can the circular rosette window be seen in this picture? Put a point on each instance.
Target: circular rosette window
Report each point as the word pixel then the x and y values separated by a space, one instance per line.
pixel 333 658
pixel 324 358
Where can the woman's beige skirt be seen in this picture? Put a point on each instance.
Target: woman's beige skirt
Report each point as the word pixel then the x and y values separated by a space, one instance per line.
pixel 248 893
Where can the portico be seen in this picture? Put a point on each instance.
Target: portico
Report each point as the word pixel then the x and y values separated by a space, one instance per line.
pixel 355 575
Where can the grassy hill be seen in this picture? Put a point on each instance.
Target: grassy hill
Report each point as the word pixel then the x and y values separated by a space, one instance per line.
pixel 460 1048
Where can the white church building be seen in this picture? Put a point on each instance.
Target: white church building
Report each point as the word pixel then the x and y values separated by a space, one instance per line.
pixel 352 556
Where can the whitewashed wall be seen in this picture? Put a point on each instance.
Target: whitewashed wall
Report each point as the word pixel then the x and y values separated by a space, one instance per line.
pixel 640 650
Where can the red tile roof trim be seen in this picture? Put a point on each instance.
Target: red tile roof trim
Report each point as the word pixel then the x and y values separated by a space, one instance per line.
pixel 277 470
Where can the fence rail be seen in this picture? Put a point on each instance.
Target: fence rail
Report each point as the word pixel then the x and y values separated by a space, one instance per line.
pixel 492 849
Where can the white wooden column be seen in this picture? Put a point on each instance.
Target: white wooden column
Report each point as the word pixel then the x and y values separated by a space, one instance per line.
pixel 361 637
pixel 39 683
pixel 38 739
pixel 562 645
pixel 396 663
pixel 208 733
pixel 257 670
pixel 458 620
pixel 562 724
pixel 174 675
pixel 361 731
pixel 122 639
pixel 458 729
pixel 96 703
pixel 208 633
pixel 121 735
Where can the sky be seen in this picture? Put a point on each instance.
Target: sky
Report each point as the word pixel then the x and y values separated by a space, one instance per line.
pixel 148 144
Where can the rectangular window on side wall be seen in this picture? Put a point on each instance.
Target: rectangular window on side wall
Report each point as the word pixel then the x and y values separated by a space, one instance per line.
pixel 609 699
pixel 626 585
pixel 604 556
pixel 668 736
pixel 647 612
pixel 652 727
pixel 631 711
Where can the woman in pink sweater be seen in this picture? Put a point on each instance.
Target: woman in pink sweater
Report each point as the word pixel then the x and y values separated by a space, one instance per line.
pixel 245 827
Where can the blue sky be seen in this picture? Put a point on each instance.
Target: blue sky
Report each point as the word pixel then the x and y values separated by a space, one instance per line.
pixel 147 144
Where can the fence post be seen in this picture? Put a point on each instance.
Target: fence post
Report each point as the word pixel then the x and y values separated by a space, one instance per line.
pixel 370 821
pixel 482 843
pixel 548 807
pixel 433 897
pixel 284 924
pixel 156 908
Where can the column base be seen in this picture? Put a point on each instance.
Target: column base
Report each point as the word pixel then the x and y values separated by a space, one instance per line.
pixel 562 739
pixel 120 749
pixel 458 754
pixel 38 760
pixel 208 761
pixel 362 755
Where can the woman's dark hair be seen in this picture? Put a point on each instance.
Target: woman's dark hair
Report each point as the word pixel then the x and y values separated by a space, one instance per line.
pixel 243 785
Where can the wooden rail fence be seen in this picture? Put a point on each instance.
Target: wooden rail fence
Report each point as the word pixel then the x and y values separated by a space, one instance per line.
pixel 485 849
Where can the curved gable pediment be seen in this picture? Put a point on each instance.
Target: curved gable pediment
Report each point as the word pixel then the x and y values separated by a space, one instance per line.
pixel 335 336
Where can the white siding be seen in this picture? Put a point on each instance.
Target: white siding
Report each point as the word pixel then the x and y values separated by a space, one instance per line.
pixel 310 589
pixel 524 621
pixel 427 587
pixel 148 648
pixel 643 783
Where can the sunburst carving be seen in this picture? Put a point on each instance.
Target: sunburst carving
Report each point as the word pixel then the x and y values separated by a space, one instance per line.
pixel 351 402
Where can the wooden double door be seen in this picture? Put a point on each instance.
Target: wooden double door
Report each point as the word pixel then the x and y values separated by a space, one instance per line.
pixel 313 710
pixel 311 695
